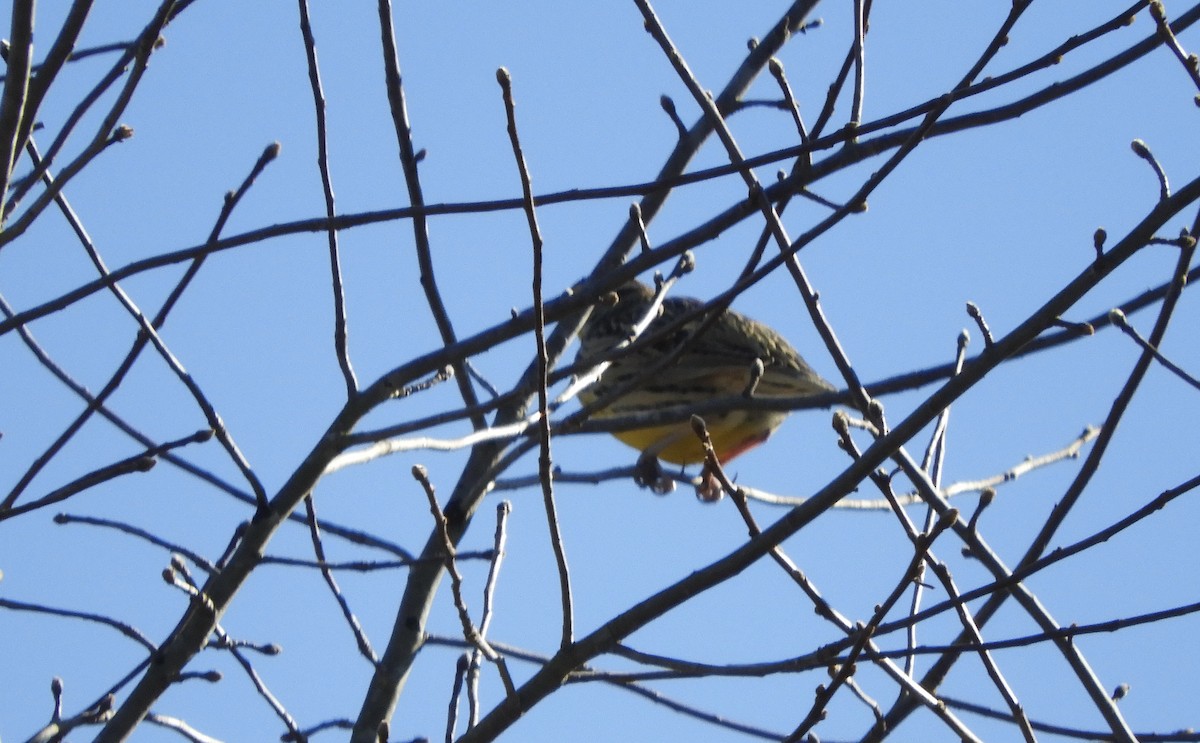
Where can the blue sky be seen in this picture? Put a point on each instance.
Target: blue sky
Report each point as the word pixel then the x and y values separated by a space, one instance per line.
pixel 1002 216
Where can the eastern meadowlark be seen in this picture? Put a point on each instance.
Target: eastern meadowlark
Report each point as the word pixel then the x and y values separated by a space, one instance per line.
pixel 722 361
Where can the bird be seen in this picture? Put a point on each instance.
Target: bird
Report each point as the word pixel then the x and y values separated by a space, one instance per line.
pixel 733 356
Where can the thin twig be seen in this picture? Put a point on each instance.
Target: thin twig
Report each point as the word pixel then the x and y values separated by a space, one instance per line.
pixel 989 663
pixel 355 536
pixel 135 64
pixel 197 559
pixel 935 455
pixel 833 93
pixel 822 657
pixel 587 674
pixel 776 68
pixel 60 727
pixel 545 465
pixel 786 247
pixel 1122 322
pixel 125 629
pixel 469 631
pixel 635 217
pixel 860 64
pixel 314 531
pixel 1029 464
pixel 45 73
pixel 983 552
pixel 143 338
pixel 1073 493
pixel 485 619
pixel 362 566
pixel 460 673
pixel 335 269
pixel 1180 736
pixel 803 161
pixel 408 162
pixel 1189 61
pixel 179 577
pixel 629 344
pixel 933 465
pixel 393 446
pixel 1142 150
pixel 656 189
pixel 133 51
pixel 864 632
pixel 14 112
pixel 855 637
pixel 175 725
pixel 1057 555
pixel 977 315
pixel 668 107
pixel 141 462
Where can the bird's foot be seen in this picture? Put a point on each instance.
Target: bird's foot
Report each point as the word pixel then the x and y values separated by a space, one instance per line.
pixel 709 488
pixel 648 473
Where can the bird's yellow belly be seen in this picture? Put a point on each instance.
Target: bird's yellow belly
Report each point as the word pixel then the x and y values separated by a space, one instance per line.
pixel 732 433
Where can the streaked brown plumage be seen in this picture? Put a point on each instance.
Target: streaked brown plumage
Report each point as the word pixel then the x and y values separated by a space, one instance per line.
pixel 718 363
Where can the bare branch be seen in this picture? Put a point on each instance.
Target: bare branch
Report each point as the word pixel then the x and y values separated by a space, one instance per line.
pixel 335 267
pixel 545 468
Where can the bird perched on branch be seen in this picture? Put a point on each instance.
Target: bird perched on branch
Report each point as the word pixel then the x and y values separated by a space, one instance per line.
pixel 667 367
